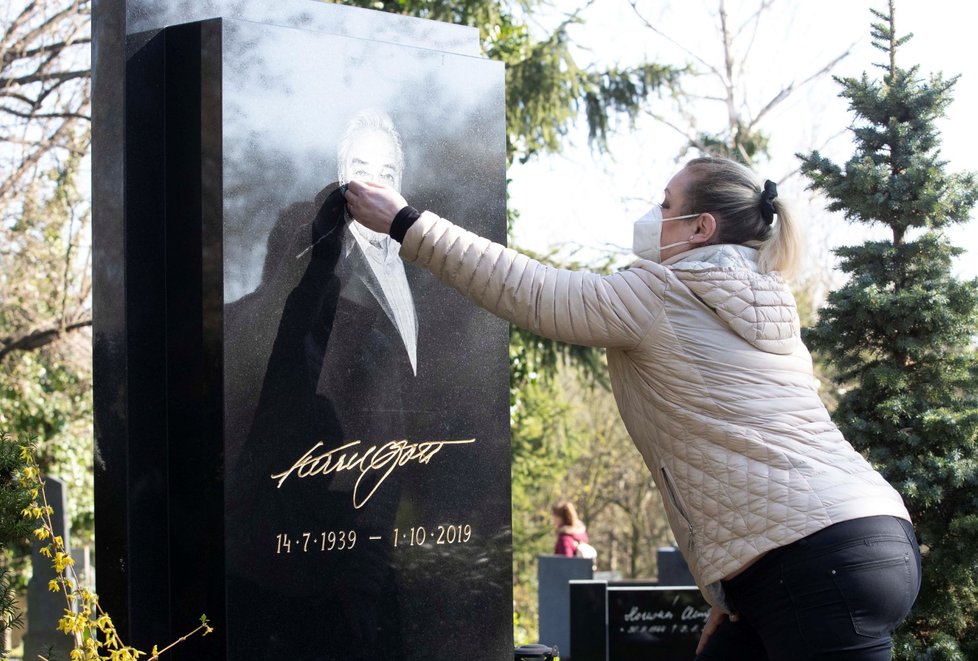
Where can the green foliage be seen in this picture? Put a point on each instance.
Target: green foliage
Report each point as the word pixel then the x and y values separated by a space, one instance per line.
pixel 93 634
pixel 14 530
pixel 546 90
pixel 45 368
pixel 542 456
pixel 901 334
pixel 569 444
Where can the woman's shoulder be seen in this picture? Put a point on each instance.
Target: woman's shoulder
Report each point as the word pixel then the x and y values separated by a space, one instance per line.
pixel 573 531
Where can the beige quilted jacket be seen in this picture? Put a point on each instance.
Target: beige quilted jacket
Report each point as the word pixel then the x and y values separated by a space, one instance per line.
pixel 711 378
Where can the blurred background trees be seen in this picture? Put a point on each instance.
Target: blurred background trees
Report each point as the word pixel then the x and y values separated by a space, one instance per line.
pixel 45 247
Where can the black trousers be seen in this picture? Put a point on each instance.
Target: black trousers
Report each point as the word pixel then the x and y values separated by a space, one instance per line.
pixel 837 594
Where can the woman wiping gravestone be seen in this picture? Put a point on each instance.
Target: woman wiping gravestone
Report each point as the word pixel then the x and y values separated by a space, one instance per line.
pixel 801 547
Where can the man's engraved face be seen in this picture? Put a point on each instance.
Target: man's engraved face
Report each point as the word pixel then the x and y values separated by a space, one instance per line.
pixel 373 157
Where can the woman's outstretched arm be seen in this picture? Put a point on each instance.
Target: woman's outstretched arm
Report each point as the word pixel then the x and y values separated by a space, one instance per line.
pixel 571 306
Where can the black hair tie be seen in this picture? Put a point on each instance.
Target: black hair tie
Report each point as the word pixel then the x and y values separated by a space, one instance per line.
pixel 768 196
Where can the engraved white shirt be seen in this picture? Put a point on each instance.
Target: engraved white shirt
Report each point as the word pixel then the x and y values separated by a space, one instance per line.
pixel 382 254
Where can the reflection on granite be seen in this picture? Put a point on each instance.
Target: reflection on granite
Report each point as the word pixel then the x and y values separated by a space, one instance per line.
pixel 145 15
pixel 363 486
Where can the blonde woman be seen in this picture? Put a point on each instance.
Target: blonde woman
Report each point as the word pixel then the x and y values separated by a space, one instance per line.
pixel 802 548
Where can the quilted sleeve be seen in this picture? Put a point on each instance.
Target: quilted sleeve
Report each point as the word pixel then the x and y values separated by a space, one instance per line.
pixel 612 311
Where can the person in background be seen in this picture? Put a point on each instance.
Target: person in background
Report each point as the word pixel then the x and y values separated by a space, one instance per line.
pixel 570 530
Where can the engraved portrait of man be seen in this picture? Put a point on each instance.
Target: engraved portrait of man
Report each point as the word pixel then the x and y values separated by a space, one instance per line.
pixel 335 320
pixel 371 150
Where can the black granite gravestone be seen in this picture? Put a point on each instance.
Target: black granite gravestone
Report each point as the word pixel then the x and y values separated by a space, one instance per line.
pixel 634 621
pixel 299 435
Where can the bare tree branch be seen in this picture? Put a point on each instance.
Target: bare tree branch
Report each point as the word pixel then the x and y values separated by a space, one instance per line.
pixel 45 77
pixel 11 55
pixel 791 87
pixel 649 25
pixel 689 135
pixel 10 186
pixel 728 66
pixel 39 338
pixel 754 19
pixel 16 23
pixel 741 137
pixel 42 115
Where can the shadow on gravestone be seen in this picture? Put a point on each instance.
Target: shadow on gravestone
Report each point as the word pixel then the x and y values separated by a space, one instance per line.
pixel 45 608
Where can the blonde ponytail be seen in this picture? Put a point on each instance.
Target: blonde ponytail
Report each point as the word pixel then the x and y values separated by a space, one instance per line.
pixel 784 249
pixel 747 212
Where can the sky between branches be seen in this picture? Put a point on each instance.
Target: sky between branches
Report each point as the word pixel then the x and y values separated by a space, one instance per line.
pixel 579 199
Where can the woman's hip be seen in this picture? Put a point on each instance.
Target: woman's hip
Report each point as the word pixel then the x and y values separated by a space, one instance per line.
pixel 845 587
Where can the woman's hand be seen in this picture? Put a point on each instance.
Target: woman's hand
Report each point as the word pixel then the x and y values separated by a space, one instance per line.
pixel 373 205
pixel 713 623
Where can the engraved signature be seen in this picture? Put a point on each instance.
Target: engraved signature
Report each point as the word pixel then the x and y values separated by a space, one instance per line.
pixel 381 461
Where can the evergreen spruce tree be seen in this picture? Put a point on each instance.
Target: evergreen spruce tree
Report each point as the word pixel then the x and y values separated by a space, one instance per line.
pixel 902 332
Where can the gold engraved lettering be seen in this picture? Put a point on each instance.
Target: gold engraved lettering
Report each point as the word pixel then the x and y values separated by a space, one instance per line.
pixel 377 462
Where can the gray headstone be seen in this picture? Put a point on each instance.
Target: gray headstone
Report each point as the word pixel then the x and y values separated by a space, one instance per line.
pixel 45 608
pixel 555 572
pixel 673 569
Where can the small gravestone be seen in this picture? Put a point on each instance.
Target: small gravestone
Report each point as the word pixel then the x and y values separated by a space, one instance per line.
pixel 635 621
pixel 554 574
pixel 673 569
pixel 589 620
pixel 45 608
pixel 654 622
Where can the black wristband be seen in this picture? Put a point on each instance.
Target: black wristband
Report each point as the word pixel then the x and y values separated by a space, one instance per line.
pixel 402 222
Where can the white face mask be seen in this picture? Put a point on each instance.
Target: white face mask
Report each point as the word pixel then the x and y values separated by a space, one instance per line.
pixel 647 234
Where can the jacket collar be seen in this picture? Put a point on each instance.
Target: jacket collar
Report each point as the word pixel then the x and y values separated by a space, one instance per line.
pixel 728 255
